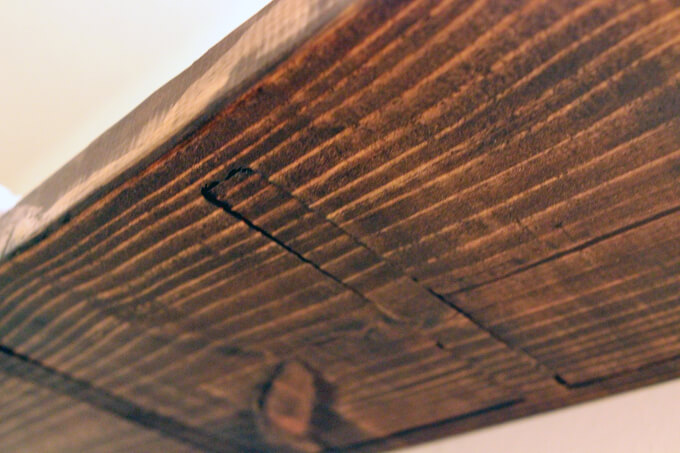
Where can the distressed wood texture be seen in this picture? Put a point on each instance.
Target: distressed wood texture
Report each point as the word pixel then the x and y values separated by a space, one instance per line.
pixel 431 217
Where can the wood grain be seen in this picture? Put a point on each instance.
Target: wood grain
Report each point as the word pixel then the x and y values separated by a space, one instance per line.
pixel 432 217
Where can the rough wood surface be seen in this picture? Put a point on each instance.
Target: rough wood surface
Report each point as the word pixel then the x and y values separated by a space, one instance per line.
pixel 433 216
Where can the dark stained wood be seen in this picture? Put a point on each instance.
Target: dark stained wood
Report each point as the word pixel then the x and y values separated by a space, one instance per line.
pixel 432 217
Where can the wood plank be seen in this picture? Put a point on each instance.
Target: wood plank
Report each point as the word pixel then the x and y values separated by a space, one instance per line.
pixel 430 217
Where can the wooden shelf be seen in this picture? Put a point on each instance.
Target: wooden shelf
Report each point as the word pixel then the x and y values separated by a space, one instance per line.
pixel 402 221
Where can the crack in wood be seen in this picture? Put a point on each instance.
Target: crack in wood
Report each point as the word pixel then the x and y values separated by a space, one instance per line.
pixel 412 303
pixel 208 193
pixel 575 249
pixel 213 199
